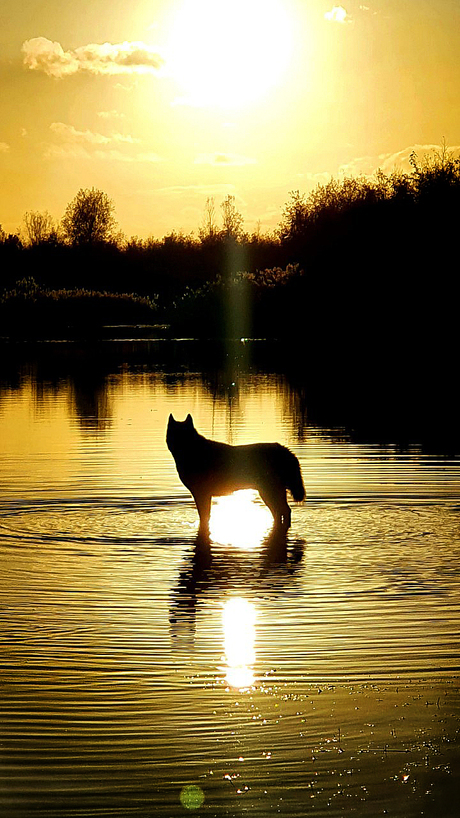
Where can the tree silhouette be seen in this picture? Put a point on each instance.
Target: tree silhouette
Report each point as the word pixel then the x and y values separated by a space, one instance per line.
pixel 209 229
pixel 295 216
pixel 89 218
pixel 39 227
pixel 436 177
pixel 232 218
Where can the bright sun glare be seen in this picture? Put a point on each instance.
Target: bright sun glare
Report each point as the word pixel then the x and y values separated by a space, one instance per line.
pixel 239 521
pixel 228 53
pixel 238 622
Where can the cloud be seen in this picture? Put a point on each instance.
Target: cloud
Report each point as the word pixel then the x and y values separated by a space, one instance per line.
pixel 90 145
pixel 67 152
pixel 80 152
pixel 314 179
pixel 388 162
pixel 337 15
pixel 4 148
pixel 196 191
pixel 71 134
pixel 111 115
pixel 41 54
pixel 223 160
pixel 118 156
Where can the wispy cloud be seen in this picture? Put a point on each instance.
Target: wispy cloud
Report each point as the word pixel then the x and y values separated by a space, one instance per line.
pixel 314 179
pixel 41 54
pixel 388 162
pixel 223 160
pixel 118 156
pixel 4 147
pixel 90 145
pixel 71 134
pixel 76 152
pixel 111 115
pixel 337 15
pixel 194 191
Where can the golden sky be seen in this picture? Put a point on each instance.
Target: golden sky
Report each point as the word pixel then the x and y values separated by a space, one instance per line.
pixel 164 103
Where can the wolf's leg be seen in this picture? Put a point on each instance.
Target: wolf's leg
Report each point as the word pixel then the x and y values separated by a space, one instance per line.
pixel 275 498
pixel 203 504
pixel 286 513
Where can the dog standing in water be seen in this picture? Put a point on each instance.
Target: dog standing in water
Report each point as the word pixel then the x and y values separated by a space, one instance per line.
pixel 209 469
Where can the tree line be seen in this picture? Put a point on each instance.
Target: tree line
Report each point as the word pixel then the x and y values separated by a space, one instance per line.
pixel 373 261
pixel 89 221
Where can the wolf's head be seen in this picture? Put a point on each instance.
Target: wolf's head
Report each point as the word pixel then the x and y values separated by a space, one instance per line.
pixel 179 432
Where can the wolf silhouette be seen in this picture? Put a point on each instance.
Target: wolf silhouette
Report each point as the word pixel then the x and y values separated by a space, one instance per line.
pixel 209 468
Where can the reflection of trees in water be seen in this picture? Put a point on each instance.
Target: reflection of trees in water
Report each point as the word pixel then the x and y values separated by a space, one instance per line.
pixel 77 374
pixel 294 406
pixel 224 388
pixel 242 360
pixel 84 371
pixel 374 403
pixel 91 401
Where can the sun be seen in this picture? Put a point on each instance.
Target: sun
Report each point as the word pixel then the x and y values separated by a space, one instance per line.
pixel 228 53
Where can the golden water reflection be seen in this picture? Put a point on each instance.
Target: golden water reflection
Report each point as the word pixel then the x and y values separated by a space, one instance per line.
pixel 239 520
pixel 238 623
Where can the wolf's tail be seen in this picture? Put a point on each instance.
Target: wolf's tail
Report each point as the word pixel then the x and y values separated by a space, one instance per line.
pixel 293 476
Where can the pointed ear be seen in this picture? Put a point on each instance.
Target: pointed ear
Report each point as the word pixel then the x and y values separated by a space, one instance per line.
pixel 171 419
pixel 189 420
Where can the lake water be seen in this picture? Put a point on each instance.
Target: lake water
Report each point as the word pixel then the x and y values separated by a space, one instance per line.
pixel 145 675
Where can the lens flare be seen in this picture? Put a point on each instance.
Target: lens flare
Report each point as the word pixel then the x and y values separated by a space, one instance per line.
pixel 192 797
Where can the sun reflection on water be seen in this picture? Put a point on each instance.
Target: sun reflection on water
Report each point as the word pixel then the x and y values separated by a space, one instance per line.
pixel 239 521
pixel 238 622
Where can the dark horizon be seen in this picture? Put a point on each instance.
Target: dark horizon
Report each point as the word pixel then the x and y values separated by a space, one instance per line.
pixel 365 263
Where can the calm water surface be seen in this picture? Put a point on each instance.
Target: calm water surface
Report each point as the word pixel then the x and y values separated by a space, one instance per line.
pixel 144 675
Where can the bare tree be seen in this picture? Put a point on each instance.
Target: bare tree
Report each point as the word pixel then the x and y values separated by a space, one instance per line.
pixel 39 227
pixel 209 228
pixel 89 218
pixel 232 218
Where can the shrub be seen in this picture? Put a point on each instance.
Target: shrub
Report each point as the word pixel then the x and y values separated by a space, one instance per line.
pixel 28 308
